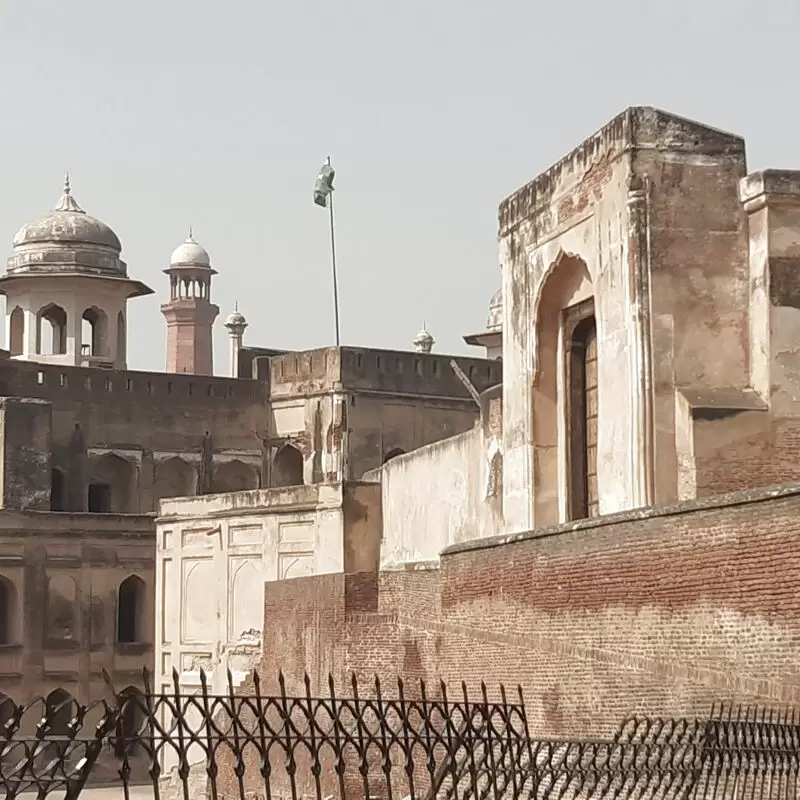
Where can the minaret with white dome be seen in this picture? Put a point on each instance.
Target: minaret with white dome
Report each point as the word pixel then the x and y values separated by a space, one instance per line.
pixel 190 314
pixel 236 324
pixel 66 290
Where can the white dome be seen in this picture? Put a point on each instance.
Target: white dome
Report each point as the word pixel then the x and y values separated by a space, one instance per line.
pixel 190 253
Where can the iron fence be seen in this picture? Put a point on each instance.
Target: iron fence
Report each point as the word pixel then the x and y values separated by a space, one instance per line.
pixel 413 742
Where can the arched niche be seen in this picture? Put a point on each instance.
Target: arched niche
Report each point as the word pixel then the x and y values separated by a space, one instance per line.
pixel 567 285
pixel 173 478
pixel 132 726
pixel 57 489
pixel 16 331
pixel 61 608
pixel 51 330
pixel 112 482
pixel 9 611
pixel 94 332
pixel 131 610
pixel 234 476
pixel 287 468
pixel 59 711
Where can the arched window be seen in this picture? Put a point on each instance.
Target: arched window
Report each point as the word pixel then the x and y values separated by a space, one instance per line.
pixel 51 331
pixel 61 608
pixel 56 489
pixel 287 469
pixel 131 725
pixel 7 610
pixel 130 605
pixel 94 332
pixel 58 711
pixel 16 333
pixel 393 454
pixel 121 339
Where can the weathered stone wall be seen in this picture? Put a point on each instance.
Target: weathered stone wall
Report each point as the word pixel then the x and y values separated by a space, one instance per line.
pixel 644 218
pixel 145 420
pixel 658 611
pixel 445 493
pixel 26 437
pixel 60 576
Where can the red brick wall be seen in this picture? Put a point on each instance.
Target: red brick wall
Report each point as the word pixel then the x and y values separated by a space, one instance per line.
pixel 660 611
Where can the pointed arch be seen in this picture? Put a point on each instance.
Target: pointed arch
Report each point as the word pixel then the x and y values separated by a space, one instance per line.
pixel 174 478
pixel 567 285
pixel 94 332
pixel 51 330
pixel 246 600
pixel 287 468
pixel 111 485
pixel 59 708
pixel 130 610
pixel 233 476
pixel 16 331
pixel 132 722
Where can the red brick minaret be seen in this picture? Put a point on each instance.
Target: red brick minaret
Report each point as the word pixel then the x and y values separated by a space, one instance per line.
pixel 190 314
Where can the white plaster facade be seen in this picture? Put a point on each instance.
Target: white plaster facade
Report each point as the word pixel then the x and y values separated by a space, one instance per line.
pixel 215 553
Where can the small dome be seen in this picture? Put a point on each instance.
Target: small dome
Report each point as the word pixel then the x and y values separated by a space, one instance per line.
pixel 67 224
pixel 423 342
pixel 236 318
pixel 190 253
pixel 494 322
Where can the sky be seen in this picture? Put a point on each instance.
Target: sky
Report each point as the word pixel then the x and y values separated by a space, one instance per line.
pixel 219 114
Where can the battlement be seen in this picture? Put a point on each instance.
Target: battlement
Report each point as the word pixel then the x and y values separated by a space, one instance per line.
pixel 29 379
pixel 369 369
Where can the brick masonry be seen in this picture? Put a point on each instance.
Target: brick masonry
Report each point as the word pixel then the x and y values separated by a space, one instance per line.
pixel 660 611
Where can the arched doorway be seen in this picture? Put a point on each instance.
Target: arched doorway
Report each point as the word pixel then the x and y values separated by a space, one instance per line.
pixel 564 301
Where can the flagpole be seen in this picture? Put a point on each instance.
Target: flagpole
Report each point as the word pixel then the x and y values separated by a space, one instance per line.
pixel 333 264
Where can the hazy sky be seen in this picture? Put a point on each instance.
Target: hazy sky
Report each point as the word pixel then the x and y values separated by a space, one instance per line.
pixel 219 114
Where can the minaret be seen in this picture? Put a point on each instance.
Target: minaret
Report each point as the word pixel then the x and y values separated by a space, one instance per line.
pixel 423 342
pixel 190 314
pixel 236 323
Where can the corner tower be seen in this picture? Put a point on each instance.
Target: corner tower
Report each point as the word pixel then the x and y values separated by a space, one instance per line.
pixel 190 314
pixel 66 290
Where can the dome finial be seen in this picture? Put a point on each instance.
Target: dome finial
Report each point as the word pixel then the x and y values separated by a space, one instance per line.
pixel 191 234
pixel 67 202
pixel 235 305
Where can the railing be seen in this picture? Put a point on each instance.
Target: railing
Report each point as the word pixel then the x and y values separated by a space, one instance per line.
pixel 416 743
